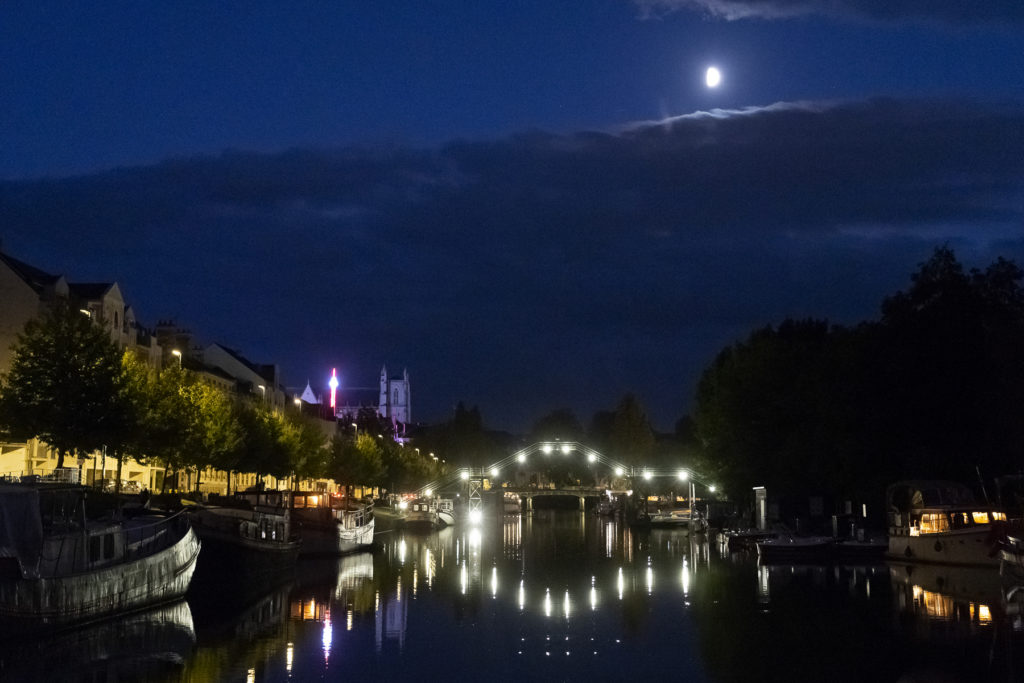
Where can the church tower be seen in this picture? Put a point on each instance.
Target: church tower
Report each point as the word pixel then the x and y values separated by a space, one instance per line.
pixel 395 397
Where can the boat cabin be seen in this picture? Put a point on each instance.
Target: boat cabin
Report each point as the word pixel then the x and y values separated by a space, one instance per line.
pixel 921 508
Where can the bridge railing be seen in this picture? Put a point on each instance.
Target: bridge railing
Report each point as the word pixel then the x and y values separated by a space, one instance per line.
pixel 553 449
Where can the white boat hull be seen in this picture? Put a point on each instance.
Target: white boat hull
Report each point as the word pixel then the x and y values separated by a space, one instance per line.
pixel 88 596
pixel 973 547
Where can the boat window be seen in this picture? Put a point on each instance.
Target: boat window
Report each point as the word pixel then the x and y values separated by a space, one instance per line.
pixel 1000 516
pixel 108 547
pixel 933 523
pixel 980 517
pixel 94 548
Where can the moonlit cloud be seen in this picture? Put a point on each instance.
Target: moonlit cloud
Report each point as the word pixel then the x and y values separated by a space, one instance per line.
pixel 948 11
pixel 600 261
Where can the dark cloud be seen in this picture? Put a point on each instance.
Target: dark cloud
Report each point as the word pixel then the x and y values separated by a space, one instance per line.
pixel 541 271
pixel 946 11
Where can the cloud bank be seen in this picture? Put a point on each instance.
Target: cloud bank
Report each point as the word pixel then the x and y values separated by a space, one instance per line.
pixel 954 12
pixel 539 271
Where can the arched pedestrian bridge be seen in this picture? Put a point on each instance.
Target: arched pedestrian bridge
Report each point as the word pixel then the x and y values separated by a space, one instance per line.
pixel 620 477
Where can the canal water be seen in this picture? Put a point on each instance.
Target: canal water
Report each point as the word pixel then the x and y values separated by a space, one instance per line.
pixel 555 596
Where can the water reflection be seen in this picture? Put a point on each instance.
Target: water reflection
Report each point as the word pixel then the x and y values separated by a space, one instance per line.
pixel 569 596
pixel 143 646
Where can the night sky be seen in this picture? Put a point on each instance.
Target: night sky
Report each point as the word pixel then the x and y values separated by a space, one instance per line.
pixel 530 205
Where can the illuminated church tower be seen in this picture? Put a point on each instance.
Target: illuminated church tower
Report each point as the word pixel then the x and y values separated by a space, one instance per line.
pixel 395 397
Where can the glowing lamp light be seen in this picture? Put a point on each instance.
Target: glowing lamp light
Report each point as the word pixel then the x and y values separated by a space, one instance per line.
pixel 547 448
pixel 591 457
pixel 521 457
pixel 494 471
pixel 683 475
pixel 647 474
pixel 333 384
pixel 428 493
pixel 618 472
pixel 711 488
pixel 403 505
pixel 464 475
pixel 565 449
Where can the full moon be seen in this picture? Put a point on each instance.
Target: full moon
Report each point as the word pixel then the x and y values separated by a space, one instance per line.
pixel 712 77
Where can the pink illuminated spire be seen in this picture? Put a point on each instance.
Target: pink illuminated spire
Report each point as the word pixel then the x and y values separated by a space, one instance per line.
pixel 333 384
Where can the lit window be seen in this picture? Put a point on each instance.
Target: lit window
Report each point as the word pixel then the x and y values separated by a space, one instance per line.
pixel 980 517
pixel 934 523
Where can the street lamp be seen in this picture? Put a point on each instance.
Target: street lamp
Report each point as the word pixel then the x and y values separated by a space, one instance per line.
pixel 176 352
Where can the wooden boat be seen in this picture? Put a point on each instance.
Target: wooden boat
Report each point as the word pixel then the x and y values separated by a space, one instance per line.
pixel 790 547
pixel 938 521
pixel 739 540
pixel 58 566
pixel 253 545
pixel 421 515
pixel 331 524
pixel 446 511
pixel 682 518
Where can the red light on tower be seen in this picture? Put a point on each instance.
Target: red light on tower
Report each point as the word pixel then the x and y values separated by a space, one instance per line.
pixel 333 384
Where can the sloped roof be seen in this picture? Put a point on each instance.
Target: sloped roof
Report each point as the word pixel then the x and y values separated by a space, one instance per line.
pixel 33 277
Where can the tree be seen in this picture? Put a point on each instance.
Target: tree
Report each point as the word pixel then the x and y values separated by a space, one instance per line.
pixel 558 424
pixel 631 439
pixel 64 386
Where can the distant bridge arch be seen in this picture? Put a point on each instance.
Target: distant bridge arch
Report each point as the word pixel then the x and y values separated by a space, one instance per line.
pixel 473 477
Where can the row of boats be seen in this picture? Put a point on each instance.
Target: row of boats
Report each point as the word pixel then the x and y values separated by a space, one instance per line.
pixel 66 558
pixel 928 521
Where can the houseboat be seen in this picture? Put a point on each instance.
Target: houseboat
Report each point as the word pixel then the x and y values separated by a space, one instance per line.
pixel 252 544
pixel 331 524
pixel 939 521
pixel 63 563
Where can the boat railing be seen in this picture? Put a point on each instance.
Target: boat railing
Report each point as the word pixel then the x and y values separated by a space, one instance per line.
pixel 64 475
pixel 76 552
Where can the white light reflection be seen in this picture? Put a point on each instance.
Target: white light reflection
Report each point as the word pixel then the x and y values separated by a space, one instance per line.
pixel 401 551
pixel 686 578
pixel 348 620
pixel 593 594
pixel 326 636
pixel 650 579
pixel 474 539
pixel 463 578
pixel 289 657
pixel 547 602
pixel 566 604
pixel 621 582
pixel 522 596
pixel 250 676
pixel 494 582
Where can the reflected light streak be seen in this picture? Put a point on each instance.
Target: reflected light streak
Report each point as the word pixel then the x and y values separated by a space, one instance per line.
pixel 250 676
pixel 686 579
pixel 474 539
pixel 463 578
pixel 621 582
pixel 547 602
pixel 494 582
pixel 415 579
pixel 593 594
pixel 326 636
pixel 567 604
pixel 401 551
pixel 522 596
pixel 348 620
pixel 289 657
pixel 650 579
